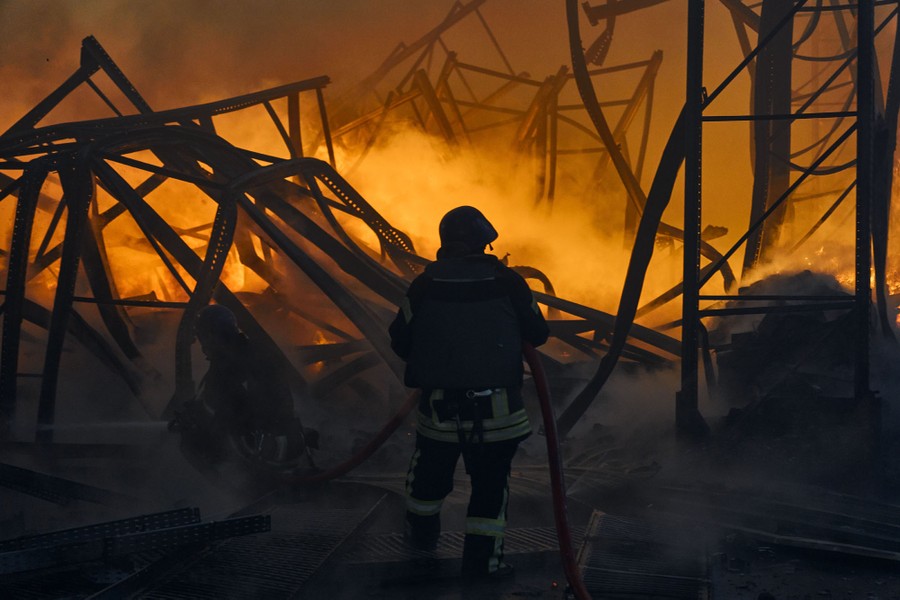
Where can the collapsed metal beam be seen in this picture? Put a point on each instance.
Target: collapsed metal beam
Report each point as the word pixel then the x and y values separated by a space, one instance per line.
pixel 404 52
pixel 292 199
pixel 32 141
pixel 771 141
pixel 55 489
pixel 650 224
pixel 79 189
pixel 15 286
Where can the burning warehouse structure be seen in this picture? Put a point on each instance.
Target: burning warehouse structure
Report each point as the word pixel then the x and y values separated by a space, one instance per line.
pixel 122 228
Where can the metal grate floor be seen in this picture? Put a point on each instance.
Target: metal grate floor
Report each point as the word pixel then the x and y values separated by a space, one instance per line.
pixel 390 547
pixel 271 565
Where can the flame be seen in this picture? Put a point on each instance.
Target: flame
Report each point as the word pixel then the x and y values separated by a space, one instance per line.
pixel 412 179
pixel 318 339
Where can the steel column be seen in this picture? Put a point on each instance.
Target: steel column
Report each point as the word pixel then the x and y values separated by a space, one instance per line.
pixel 14 299
pixel 78 187
pixel 865 107
pixel 686 399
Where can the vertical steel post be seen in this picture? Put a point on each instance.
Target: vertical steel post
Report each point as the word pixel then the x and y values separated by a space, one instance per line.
pixel 326 128
pixel 294 125
pixel 686 400
pixel 865 114
pixel 14 299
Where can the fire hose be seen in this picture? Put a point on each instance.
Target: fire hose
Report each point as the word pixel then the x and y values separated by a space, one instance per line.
pixel 557 482
pixel 362 455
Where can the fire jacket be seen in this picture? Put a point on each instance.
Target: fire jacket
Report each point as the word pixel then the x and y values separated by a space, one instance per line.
pixel 460 329
pixel 243 390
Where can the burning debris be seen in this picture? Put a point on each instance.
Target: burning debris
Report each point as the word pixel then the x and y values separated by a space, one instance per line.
pixel 126 227
pixel 779 351
pixel 246 216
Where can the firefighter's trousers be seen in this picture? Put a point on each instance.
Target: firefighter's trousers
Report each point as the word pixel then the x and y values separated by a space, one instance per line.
pixel 430 479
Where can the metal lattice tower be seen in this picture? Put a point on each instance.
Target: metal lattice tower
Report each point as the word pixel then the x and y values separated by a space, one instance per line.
pixel 774 48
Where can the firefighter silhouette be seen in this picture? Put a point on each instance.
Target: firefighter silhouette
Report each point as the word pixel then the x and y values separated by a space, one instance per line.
pixel 460 329
pixel 243 403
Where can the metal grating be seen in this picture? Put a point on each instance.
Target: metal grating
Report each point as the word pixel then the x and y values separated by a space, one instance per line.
pixel 87 560
pixel 77 582
pixel 612 527
pixel 45 587
pixel 273 565
pixel 623 557
pixel 391 547
pixel 200 533
pixel 105 548
pixel 43 558
pixel 266 566
pixel 171 518
pixel 84 544
pixel 295 518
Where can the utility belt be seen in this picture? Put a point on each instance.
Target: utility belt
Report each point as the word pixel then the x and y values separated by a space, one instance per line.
pixel 466 405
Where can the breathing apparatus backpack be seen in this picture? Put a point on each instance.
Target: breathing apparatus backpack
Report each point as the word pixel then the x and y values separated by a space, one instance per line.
pixel 465 331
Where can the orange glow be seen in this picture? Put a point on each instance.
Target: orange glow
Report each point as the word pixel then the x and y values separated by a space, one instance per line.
pixel 413 178
pixel 318 339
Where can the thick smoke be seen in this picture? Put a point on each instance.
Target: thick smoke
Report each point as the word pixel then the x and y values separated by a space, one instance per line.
pixel 181 53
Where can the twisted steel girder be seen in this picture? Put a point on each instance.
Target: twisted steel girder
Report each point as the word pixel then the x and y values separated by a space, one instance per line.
pixel 359 314
pixel 650 225
pixel 771 141
pixel 250 199
pixel 78 186
pixel 883 180
pixel 227 161
pixel 48 139
pixel 16 277
pixel 391 239
pixel 204 272
pixel 95 262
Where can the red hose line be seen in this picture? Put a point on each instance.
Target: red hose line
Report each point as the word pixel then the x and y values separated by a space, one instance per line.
pixel 357 459
pixel 557 482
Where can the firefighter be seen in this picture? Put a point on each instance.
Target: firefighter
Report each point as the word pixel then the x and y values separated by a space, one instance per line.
pixel 242 401
pixel 460 330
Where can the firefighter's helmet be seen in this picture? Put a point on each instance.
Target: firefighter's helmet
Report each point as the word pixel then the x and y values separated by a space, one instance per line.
pixel 215 322
pixel 466 225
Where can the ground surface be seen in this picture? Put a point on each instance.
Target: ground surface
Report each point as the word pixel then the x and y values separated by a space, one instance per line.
pixel 759 512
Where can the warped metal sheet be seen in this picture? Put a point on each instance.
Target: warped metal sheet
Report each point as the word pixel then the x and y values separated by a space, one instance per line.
pixel 627 557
